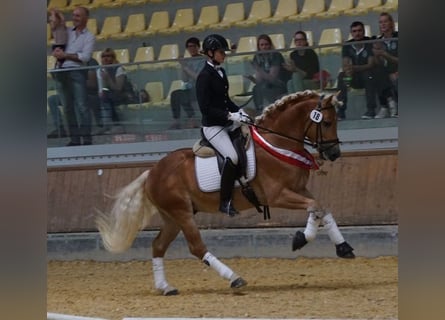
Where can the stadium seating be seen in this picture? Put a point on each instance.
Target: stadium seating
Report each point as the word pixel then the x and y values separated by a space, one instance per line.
pixel 60 4
pixel 174 85
pixel 156 91
pixel 111 25
pixel 278 40
pixel 260 10
pixel 135 24
pixel 330 36
pixel 234 12
pixel 77 3
pixel 92 25
pixel 208 17
pixel 159 21
pixel 236 85
pixel 245 44
pixel 168 52
pixel 285 8
pixel 337 8
pixel 106 4
pixel 309 10
pixel 389 5
pixel 363 7
pixel 183 18
pixel 143 54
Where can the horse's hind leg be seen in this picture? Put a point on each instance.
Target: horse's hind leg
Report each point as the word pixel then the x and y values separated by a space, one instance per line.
pixel 169 232
pixel 199 249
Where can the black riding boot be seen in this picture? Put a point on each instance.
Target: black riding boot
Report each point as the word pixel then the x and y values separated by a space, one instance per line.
pixel 228 176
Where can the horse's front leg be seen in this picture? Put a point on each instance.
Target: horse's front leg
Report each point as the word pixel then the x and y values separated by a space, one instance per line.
pixel 317 215
pixel 199 250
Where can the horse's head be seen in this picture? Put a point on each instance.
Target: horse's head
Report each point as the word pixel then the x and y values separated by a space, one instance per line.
pixel 306 118
pixel 321 128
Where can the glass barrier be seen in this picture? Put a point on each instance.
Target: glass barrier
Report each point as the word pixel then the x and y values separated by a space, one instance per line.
pixel 135 117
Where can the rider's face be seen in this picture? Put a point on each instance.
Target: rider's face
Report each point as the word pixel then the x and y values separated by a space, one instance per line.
pixel 219 56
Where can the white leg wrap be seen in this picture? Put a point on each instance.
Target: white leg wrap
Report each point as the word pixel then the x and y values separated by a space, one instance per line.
pixel 313 221
pixel 158 273
pixel 332 229
pixel 223 270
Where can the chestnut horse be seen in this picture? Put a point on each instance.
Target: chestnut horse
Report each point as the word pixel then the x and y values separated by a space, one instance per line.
pixel 170 188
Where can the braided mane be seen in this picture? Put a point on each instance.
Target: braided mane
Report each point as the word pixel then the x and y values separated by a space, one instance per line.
pixel 284 102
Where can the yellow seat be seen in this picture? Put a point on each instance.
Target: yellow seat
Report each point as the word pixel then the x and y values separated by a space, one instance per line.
pixel 278 40
pixel 59 4
pixel 236 85
pixel 122 55
pixel 92 25
pixel 135 24
pixel 159 21
pixel 96 55
pixel 285 8
pixel 183 18
pixel 396 25
pixel 208 16
pixel 50 63
pixel 234 12
pixel 330 36
pixel 389 5
pixel 78 3
pixel 156 91
pixel 337 8
pixel 309 10
pixel 111 25
pixel 106 4
pixel 49 34
pixel 143 54
pixel 260 10
pixel 309 36
pixel 136 2
pixel 364 6
pixel 168 52
pixel 245 44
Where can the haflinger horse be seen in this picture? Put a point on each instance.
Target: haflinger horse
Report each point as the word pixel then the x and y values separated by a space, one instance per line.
pixel 283 166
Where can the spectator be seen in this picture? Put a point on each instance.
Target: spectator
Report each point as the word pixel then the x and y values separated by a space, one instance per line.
pixel 144 96
pixel 187 94
pixel 53 104
pixel 270 77
pixel 92 100
pixel 387 66
pixel 111 87
pixel 220 115
pixel 358 63
pixel 71 84
pixel 59 32
pixel 303 64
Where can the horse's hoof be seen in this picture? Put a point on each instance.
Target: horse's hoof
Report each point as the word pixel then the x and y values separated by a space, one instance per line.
pixel 238 283
pixel 344 250
pixel 170 291
pixel 299 241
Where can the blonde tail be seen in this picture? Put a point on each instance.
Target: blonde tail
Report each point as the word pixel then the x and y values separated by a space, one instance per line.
pixel 131 212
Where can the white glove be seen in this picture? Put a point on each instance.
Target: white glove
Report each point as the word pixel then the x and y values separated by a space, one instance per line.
pixel 235 117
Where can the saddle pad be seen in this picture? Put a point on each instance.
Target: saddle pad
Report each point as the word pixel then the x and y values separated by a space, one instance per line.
pixel 207 172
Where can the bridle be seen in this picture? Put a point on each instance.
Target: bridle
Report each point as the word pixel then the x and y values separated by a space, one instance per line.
pixel 319 144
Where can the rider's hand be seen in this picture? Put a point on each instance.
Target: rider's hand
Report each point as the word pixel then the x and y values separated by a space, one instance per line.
pixel 235 117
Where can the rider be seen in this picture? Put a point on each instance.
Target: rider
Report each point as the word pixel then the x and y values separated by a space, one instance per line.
pixel 220 115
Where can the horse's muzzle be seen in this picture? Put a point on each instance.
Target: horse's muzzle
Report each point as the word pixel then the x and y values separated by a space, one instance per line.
pixel 331 152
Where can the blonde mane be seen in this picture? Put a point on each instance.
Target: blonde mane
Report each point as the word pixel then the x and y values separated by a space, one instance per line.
pixel 284 101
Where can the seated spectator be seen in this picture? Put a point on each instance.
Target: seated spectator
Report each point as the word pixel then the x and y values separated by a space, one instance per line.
pixel 387 63
pixel 111 87
pixel 358 64
pixel 187 94
pixel 270 77
pixel 144 96
pixel 303 64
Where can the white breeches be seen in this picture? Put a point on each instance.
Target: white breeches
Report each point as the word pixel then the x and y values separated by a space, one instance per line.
pixel 219 138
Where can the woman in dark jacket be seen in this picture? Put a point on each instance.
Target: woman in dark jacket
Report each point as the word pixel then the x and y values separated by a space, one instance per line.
pixel 219 114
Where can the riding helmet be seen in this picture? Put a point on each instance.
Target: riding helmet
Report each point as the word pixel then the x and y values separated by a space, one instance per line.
pixel 215 42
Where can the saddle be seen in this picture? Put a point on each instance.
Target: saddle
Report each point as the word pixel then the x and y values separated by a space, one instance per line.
pixel 241 139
